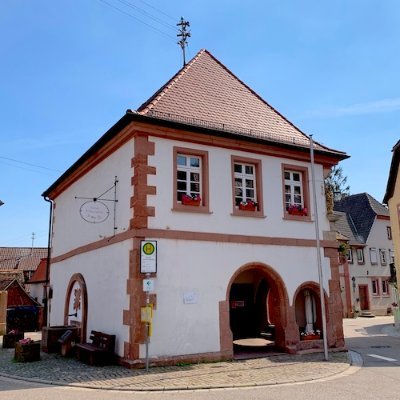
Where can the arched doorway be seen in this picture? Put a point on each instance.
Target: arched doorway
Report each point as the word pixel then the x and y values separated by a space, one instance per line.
pixel 76 304
pixel 258 304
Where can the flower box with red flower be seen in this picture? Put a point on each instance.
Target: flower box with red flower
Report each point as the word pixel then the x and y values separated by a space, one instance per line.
pixel 248 205
pixel 296 209
pixel 27 350
pixel 311 335
pixel 189 200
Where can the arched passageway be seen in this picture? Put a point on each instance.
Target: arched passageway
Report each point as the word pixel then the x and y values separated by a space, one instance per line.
pixel 258 305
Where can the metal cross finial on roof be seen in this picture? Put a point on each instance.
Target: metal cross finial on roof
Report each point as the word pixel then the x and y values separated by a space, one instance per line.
pixel 183 34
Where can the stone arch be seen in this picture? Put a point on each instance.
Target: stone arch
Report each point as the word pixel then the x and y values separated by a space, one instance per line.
pixel 264 279
pixel 313 289
pixel 75 309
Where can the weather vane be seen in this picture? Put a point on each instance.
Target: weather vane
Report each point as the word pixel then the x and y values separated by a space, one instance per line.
pixel 183 34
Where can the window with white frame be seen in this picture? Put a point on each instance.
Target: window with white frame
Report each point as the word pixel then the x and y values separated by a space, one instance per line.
pixel 245 183
pixel 391 256
pixel 375 287
pixel 389 232
pixel 293 189
pixel 188 175
pixel 385 287
pixel 350 255
pixel 373 256
pixel 382 254
pixel 360 256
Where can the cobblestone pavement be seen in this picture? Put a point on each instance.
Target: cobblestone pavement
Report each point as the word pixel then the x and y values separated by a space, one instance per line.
pixel 276 369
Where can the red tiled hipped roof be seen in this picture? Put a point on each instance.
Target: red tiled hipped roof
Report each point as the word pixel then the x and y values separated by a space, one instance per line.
pixel 206 92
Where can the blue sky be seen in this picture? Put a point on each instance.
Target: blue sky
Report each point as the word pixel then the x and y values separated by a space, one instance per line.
pixel 70 69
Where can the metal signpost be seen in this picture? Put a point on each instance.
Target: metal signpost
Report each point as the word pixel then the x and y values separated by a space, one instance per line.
pixel 148 265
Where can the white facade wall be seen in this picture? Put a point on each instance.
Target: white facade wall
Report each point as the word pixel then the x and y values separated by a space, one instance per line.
pixel 198 269
pixel 71 229
pixel 105 272
pixel 220 189
pixel 36 291
pixel 202 271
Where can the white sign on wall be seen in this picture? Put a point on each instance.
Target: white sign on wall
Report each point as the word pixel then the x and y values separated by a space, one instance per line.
pixel 148 285
pixel 148 256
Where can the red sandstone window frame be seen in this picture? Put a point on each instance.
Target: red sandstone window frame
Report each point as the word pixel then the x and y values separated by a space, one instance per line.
pixel 305 188
pixel 256 163
pixel 204 178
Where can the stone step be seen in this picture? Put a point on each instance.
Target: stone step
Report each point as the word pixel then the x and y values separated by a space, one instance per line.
pixel 367 314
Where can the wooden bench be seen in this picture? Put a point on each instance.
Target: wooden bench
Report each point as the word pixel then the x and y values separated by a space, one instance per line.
pixel 99 352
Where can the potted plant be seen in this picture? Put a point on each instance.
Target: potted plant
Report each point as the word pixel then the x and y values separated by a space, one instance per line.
pixel 191 200
pixel 249 205
pixel 297 209
pixel 27 350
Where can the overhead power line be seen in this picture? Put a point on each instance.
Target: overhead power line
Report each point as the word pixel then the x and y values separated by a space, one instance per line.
pixel 138 19
pixel 147 14
pixel 158 10
pixel 28 164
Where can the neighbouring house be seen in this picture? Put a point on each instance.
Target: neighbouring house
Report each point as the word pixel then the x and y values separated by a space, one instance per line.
pixel 392 199
pixel 364 228
pixel 22 311
pixel 38 282
pixel 192 220
pixel 17 265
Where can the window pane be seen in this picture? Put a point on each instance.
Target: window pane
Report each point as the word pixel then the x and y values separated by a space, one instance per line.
pixel 195 187
pixel 194 162
pixel 238 168
pixel 238 182
pixel 249 169
pixel 297 199
pixel 287 189
pixel 181 175
pixel 287 175
pixel 182 186
pixel 181 160
pixel 297 190
pixel 238 192
pixel 296 176
pixel 194 177
pixel 250 193
pixel 249 183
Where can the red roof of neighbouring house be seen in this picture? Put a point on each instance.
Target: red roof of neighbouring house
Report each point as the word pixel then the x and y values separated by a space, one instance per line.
pixel 39 275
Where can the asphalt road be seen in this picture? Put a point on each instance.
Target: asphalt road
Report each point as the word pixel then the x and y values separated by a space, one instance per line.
pixel 378 378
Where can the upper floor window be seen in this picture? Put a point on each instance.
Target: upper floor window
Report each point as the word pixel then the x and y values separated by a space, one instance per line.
pixel 245 183
pixel 382 254
pixel 295 191
pixel 190 180
pixel 360 256
pixel 373 256
pixel 247 186
pixel 188 176
pixel 391 256
pixel 389 232
pixel 349 255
